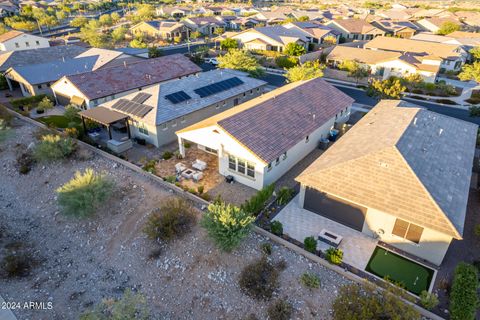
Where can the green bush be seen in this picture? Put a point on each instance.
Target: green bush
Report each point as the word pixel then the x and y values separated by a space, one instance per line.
pixel 5 130
pixel 71 113
pixel 259 279
pixel 171 179
pixel 286 62
pixel 25 162
pixel 266 248
pixel 428 300
pixel 285 194
pixel 16 265
pixel 310 244
pixel 476 230
pixel 463 296
pixel 5 115
pixel 334 255
pixel 28 101
pixel 173 219
pixel 149 166
pixel 54 147
pixel 200 189
pixel 82 195
pixel 257 203
pixel 310 280
pixel 276 228
pixel 227 225
pixel 167 155
pixel 280 310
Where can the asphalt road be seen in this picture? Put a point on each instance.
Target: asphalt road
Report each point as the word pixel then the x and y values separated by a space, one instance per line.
pixel 173 50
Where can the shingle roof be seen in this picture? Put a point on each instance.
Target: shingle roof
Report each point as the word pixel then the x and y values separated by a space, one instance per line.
pixel 108 81
pixel 273 126
pixel 403 160
pixel 10 35
pixel 42 55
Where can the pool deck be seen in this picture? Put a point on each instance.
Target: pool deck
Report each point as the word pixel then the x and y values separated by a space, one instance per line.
pixel 299 223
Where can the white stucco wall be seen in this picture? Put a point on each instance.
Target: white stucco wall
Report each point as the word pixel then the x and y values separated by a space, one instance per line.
pixel 24 42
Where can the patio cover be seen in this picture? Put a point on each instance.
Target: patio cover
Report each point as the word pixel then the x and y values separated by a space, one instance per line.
pixel 103 115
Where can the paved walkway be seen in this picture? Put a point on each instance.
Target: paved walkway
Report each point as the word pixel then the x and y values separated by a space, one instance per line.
pixel 299 223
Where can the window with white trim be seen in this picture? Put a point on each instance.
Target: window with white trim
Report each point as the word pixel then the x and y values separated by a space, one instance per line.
pixel 142 128
pixel 241 166
pixel 407 230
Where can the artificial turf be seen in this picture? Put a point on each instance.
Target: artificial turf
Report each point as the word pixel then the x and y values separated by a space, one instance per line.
pixel 57 121
pixel 411 275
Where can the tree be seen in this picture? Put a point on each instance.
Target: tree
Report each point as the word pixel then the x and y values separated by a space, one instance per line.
pixel 475 52
pixel 448 27
pixel 3 28
pixel 470 72
pixel 144 12
pixel 228 44
pixel 355 69
pixel 46 104
pixel 365 302
pixel 71 112
pixel 23 25
pixel 53 147
pixel 154 52
pixel 90 34
pixel 386 89
pixel 78 22
pixel 195 35
pixel 130 306
pixel 294 49
pixel 105 20
pixel 219 31
pixel 227 225
pixel 240 60
pixel 118 34
pixel 303 18
pixel 115 17
pixel 331 40
pixel 306 71
pixel 138 43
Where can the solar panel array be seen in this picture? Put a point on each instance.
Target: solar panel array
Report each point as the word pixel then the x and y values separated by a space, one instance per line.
pixel 218 87
pixel 132 108
pixel 141 97
pixel 177 97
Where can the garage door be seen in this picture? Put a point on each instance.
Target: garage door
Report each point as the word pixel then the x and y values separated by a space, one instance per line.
pixel 335 209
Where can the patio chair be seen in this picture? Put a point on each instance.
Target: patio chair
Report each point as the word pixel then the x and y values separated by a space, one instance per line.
pixel 199 165
pixel 180 167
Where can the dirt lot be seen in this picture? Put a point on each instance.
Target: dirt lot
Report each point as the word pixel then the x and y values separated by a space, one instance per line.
pixel 82 261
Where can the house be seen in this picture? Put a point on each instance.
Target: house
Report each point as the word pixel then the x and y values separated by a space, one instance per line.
pixel 386 63
pixel 271 17
pixel 89 89
pixel 7 9
pixel 450 57
pixel 401 29
pixel 37 78
pixel 14 40
pixel 205 25
pixel 315 33
pixel 259 141
pixel 272 38
pixel 174 12
pixel 434 24
pixel 173 105
pixel 244 23
pixel 400 175
pixel 311 15
pixel 136 52
pixel 355 29
pixel 166 30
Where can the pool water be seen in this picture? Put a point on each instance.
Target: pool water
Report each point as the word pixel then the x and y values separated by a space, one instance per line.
pixel 413 276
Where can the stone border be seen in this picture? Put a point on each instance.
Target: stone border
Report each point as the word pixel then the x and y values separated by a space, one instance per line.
pixel 203 203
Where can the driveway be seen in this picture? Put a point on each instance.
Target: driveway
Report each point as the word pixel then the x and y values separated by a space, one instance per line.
pixel 299 223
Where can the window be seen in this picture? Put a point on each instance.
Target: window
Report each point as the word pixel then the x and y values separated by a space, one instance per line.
pixel 174 123
pixel 250 170
pixel 17 45
pixel 284 155
pixel 182 119
pixel 407 230
pixel 217 106
pixel 244 94
pixel 258 89
pixel 48 85
pixel 39 86
pixel 164 126
pixel 277 161
pixel 142 128
pixel 251 91
pixel 210 150
pixel 232 163
pixel 37 42
pixel 269 166
pixel 307 138
pixel 241 166
pixel 27 44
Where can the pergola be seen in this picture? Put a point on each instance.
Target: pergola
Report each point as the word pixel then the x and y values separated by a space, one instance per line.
pixel 106 117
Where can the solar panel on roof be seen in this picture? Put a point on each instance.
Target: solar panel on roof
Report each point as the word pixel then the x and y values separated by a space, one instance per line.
pixel 177 97
pixel 131 107
pixel 141 97
pixel 218 87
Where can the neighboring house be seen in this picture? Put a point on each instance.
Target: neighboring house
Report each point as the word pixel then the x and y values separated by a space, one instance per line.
pixel 259 141
pixel 16 41
pixel 315 33
pixel 271 18
pixel 8 10
pixel 174 105
pixel 469 18
pixel 166 30
pixel 311 15
pixel 430 13
pixel 136 52
pixel 36 79
pixel 395 14
pixel 205 25
pixel 386 63
pixel 434 24
pixel 272 38
pixel 174 12
pixel 401 29
pixel 90 89
pixel 451 57
pixel 244 23
pixel 400 175
pixel 355 29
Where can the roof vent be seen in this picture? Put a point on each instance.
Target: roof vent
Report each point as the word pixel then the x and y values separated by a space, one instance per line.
pixel 125 63
pixel 440 131
pixel 415 121
pixel 383 164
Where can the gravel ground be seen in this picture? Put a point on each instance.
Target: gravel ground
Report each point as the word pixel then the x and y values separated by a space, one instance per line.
pixel 82 261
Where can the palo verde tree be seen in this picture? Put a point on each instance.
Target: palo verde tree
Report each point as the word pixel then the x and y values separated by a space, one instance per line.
pixel 306 71
pixel 240 60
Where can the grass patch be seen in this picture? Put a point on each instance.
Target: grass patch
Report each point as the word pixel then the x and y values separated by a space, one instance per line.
pixel 57 121
pixel 409 274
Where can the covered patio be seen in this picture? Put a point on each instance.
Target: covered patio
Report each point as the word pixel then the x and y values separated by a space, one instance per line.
pixel 115 141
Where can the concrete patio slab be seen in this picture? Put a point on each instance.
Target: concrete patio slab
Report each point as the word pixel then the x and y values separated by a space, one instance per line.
pixel 299 223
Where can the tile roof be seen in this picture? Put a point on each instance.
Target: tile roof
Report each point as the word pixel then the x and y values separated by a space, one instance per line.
pixel 279 34
pixel 341 53
pixel 355 25
pixel 463 34
pixel 10 35
pixel 276 122
pixel 403 160
pixel 107 81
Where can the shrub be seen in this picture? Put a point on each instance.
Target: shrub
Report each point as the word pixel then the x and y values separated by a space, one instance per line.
pixel 428 300
pixel 200 189
pixel 187 145
pixel 167 155
pixel 54 147
pixel 463 296
pixel 31 101
pixel 310 244
pixel 149 166
pixel 285 194
pixel 45 104
pixel 280 310
pixel 257 203
pixel 132 306
pixel 25 162
pixel 173 219
pixel 5 115
pixel 227 225
pixel 477 230
pixel 72 132
pixel 310 280
pixel 71 113
pixel 334 255
pixel 171 179
pixel 266 248
pixel 4 130
pixel 82 195
pixel 446 101
pixel 276 228
pixel 259 279
pixel 474 111
pixel 286 62
pixel 17 264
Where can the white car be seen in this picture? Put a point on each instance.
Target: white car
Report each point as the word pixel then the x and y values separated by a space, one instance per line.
pixel 213 61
